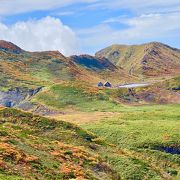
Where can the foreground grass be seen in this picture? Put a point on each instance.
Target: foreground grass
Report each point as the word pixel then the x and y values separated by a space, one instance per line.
pixel 138 131
pixel 50 149
pixel 33 147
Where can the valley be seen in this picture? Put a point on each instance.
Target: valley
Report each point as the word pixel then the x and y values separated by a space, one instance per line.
pixel 57 123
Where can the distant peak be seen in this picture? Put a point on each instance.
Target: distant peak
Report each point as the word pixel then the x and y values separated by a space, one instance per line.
pixel 8 46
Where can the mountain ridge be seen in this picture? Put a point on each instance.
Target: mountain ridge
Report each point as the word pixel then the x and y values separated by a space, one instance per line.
pixel 59 92
pixel 116 63
pixel 150 59
pixel 9 46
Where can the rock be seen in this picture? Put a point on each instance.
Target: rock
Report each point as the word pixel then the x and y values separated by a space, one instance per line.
pixel 88 139
pixel 9 104
pixel 176 88
pixel 14 97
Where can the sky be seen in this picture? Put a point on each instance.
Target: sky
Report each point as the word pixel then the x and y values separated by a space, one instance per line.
pixel 87 26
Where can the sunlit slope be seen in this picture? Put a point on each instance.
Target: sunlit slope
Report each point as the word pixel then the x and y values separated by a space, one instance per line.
pixel 151 59
pixel 26 68
pixel 22 68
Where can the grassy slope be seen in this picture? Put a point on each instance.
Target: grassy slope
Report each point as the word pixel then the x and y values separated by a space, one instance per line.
pixel 45 146
pixel 139 130
pixel 102 67
pixel 135 131
pixel 27 69
pixel 76 96
pixel 162 92
pixel 172 83
pixel 83 97
pixel 33 147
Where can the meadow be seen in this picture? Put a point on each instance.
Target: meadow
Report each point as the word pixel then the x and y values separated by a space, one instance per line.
pixel 91 132
pixel 144 140
pixel 141 134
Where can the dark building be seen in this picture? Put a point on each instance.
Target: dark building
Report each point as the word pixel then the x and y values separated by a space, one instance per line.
pixel 9 104
pixel 107 84
pixel 100 84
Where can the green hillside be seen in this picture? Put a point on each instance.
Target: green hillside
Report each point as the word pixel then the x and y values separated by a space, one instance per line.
pixel 148 138
pixel 76 96
pixel 76 130
pixel 130 146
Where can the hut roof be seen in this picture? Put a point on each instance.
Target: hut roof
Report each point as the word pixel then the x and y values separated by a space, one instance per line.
pixel 100 84
pixel 107 84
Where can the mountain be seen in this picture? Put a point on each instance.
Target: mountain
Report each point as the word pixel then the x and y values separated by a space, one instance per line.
pixel 62 91
pixel 29 68
pixel 150 60
pixel 20 68
pixel 23 72
pixel 94 63
pixel 8 46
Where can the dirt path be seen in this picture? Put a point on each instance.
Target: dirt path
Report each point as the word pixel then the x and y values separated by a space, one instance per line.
pixel 80 118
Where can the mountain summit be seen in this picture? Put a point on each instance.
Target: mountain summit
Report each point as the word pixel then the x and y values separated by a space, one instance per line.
pixel 8 46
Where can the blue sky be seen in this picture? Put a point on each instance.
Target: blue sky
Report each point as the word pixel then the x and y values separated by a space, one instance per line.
pixel 86 26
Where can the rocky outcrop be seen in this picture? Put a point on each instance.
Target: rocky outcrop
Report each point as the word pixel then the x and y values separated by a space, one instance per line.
pixel 14 97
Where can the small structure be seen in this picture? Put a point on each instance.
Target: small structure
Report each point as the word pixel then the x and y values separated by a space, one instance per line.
pixel 176 88
pixel 107 84
pixel 9 104
pixel 100 84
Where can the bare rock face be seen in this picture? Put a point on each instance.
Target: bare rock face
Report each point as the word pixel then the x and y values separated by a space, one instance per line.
pixel 14 97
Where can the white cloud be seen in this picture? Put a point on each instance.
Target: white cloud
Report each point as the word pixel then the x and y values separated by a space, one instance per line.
pixel 140 29
pixel 9 7
pixel 64 13
pixel 39 35
pixel 139 6
pixel 153 20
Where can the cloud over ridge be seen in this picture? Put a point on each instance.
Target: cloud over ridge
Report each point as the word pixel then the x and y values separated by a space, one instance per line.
pixel 48 33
